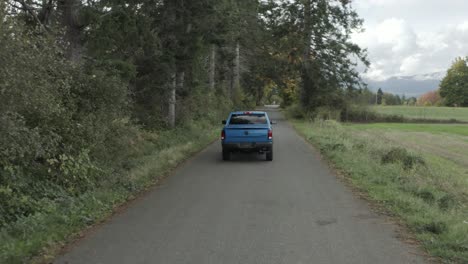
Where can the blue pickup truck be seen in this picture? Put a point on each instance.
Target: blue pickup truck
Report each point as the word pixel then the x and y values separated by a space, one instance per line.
pixel 249 131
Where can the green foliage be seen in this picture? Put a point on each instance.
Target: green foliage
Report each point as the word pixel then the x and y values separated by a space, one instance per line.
pixel 65 217
pixel 326 113
pixel 391 99
pixel 380 95
pixel 327 68
pixel 295 111
pixel 70 150
pixel 55 120
pixel 73 102
pixel 454 86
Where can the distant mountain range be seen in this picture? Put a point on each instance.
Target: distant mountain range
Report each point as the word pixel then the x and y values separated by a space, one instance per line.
pixel 409 86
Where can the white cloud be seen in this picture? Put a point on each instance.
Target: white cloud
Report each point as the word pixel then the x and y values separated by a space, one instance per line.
pixel 396 33
pixel 411 65
pixel 463 26
pixel 371 3
pixel 395 49
pixel 413 36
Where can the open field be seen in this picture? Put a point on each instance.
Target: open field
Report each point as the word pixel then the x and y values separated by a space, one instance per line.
pixel 417 172
pixel 419 112
pixel 442 129
pixel 443 141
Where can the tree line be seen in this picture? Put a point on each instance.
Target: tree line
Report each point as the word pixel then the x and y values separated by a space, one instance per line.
pixel 365 96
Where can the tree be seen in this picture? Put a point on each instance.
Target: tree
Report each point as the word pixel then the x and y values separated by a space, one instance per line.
pixel 379 96
pixel 314 38
pixel 454 86
pixel 411 101
pixel 391 99
pixel 429 99
pixel 327 66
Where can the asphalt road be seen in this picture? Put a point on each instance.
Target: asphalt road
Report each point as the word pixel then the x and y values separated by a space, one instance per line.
pixel 293 210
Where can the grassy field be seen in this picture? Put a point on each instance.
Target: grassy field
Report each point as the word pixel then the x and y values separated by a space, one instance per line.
pixel 443 141
pixel 442 129
pixel 417 172
pixel 419 112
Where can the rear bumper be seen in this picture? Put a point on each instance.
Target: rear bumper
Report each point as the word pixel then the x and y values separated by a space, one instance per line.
pixel 248 146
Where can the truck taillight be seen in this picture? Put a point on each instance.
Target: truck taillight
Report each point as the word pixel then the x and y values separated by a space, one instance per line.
pixel 223 135
pixel 270 134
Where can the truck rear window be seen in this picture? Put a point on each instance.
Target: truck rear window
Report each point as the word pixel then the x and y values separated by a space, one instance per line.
pixel 244 119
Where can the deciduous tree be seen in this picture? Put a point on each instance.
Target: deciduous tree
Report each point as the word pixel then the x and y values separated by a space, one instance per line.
pixel 454 86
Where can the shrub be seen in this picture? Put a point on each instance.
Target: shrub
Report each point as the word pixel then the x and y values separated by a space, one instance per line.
pixel 326 113
pixel 363 114
pixel 401 155
pixel 426 194
pixel 435 227
pixel 57 121
pixel 447 201
pixel 295 111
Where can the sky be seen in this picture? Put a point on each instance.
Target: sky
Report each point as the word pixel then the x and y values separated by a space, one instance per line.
pixel 412 37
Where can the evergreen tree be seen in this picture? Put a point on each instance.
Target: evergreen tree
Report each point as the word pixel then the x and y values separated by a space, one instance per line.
pixel 379 96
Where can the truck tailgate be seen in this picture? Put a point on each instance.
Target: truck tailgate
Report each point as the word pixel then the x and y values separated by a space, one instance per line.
pixel 246 133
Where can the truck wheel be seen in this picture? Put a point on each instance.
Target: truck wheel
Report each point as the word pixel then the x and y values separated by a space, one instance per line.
pixel 226 154
pixel 269 155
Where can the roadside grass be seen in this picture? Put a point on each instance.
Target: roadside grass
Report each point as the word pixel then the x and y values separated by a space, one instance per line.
pixel 427 191
pixel 420 112
pixel 44 234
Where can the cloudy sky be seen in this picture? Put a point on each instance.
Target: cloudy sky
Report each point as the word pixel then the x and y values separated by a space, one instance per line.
pixel 409 37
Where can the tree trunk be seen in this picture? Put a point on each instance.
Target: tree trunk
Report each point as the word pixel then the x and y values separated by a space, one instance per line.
pixel 237 67
pixel 212 70
pixel 307 82
pixel 46 12
pixel 231 82
pixel 180 80
pixel 69 12
pixel 172 101
pixel 307 30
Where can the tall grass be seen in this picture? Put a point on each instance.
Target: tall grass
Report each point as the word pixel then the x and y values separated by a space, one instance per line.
pixel 428 195
pixel 419 112
pixel 368 114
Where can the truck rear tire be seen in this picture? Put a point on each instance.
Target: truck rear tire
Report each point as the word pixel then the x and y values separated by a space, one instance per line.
pixel 226 154
pixel 269 155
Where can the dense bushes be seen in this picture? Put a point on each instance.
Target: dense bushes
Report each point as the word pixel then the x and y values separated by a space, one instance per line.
pixel 152 155
pixel 57 121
